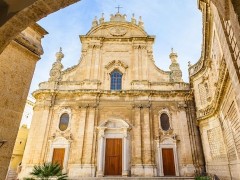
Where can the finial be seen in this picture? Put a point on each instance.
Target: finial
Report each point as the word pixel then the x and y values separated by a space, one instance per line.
pixel 189 64
pixel 101 20
pixel 173 56
pixel 140 23
pixel 59 55
pixel 133 19
pixel 94 22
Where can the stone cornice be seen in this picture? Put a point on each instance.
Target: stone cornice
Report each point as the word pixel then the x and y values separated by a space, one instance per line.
pixel 130 39
pixel 200 66
pixel 175 93
pixel 31 46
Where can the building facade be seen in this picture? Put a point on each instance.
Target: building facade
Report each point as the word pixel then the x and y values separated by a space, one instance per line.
pixel 115 112
pixel 216 82
pixel 19 147
pixel 16 160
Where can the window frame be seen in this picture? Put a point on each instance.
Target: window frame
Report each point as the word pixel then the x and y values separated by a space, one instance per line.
pixel 111 79
pixel 62 111
pixel 165 111
pixel 169 126
pixel 59 124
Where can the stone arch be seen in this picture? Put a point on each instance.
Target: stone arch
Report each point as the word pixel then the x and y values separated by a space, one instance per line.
pixel 113 128
pixel 25 14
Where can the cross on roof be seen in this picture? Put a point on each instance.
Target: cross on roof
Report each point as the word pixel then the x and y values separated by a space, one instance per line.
pixel 118 8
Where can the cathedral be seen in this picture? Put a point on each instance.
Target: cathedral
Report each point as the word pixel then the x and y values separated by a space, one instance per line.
pixel 115 112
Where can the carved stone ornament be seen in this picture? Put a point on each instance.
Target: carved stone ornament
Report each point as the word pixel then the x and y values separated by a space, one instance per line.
pixel 66 134
pixel 116 64
pixel 55 72
pixel 118 31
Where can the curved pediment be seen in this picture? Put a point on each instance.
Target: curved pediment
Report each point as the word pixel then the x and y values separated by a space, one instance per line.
pixel 117 29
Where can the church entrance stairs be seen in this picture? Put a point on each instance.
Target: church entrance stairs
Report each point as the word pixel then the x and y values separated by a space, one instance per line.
pixel 136 178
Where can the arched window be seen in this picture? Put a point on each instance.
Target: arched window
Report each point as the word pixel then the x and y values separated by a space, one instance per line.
pixel 116 80
pixel 64 120
pixel 164 119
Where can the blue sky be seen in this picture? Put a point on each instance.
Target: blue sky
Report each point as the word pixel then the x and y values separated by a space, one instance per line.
pixel 175 23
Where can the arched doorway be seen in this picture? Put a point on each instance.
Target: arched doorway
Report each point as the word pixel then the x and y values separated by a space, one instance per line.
pixel 113 133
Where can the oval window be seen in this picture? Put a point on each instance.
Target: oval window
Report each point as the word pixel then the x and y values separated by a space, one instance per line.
pixel 164 122
pixel 64 120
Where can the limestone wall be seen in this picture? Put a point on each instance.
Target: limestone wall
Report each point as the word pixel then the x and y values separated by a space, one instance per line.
pixel 216 88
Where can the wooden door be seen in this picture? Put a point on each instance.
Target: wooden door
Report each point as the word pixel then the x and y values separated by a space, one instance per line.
pixel 113 157
pixel 58 156
pixel 168 162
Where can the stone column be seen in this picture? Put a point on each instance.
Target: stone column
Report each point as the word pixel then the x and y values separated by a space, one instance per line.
pixel 125 170
pixel 100 155
pixel 96 63
pixel 137 168
pixel 77 145
pixel 140 63
pixel 135 60
pixel 87 143
pixel 17 65
pixel 146 137
pixel 89 57
pixel 149 167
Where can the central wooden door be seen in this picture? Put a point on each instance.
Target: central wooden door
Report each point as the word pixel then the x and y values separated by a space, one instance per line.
pixel 58 156
pixel 168 162
pixel 113 157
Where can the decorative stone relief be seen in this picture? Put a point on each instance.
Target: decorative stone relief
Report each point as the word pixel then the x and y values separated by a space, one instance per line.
pixel 115 64
pixel 118 31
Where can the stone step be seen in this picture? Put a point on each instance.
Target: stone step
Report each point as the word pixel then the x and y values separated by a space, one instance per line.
pixel 135 178
pixel 12 175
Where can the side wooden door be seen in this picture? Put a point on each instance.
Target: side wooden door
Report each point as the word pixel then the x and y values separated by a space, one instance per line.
pixel 113 157
pixel 58 156
pixel 168 162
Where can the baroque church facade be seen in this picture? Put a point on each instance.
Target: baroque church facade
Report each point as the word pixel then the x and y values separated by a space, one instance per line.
pixel 115 112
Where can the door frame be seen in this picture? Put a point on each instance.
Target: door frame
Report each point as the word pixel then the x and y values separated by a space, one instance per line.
pixel 168 143
pixel 59 142
pixel 119 131
pixel 106 152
